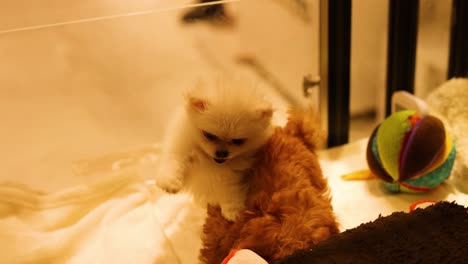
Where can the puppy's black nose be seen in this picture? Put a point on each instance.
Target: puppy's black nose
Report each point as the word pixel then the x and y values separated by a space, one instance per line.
pixel 221 153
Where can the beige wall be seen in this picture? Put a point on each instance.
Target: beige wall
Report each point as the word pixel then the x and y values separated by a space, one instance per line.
pixel 72 91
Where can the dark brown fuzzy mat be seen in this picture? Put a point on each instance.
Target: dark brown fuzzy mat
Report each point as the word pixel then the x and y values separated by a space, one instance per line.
pixel 436 234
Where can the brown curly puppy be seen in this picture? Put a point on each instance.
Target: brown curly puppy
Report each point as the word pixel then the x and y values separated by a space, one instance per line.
pixel 288 207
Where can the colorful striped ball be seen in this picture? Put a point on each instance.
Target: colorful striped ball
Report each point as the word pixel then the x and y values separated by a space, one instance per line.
pixel 411 153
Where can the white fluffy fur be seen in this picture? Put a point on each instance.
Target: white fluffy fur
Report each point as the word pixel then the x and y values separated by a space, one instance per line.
pixel 228 109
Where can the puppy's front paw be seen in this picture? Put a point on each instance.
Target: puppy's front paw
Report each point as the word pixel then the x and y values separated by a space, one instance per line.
pixel 231 213
pixel 170 185
pixel 170 176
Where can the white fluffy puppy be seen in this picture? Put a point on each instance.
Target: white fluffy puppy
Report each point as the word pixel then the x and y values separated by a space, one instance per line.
pixel 210 145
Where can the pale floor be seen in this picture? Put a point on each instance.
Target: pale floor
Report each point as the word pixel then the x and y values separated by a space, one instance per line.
pixel 361 127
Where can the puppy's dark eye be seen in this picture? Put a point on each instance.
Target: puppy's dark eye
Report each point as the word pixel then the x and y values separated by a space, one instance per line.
pixel 238 141
pixel 209 136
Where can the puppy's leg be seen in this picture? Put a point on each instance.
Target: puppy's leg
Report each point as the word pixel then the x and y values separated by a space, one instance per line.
pixel 173 165
pixel 232 201
pixel 175 155
pixel 231 210
pixel 170 174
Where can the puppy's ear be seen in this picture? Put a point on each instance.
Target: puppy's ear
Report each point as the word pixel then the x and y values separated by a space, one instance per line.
pixel 195 98
pixel 197 104
pixel 265 112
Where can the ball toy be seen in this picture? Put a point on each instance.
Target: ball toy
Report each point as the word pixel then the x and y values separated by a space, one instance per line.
pixel 410 152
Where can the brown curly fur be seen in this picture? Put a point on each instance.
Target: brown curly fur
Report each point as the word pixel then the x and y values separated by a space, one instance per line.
pixel 288 207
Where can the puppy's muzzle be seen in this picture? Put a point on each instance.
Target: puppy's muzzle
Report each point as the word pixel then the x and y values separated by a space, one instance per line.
pixel 221 155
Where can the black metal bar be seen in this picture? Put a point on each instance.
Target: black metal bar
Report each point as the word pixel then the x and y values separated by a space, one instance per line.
pixel 458 57
pixel 401 53
pixel 339 47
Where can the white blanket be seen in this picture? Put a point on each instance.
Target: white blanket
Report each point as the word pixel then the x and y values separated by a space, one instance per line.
pixel 113 222
pixel 119 218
